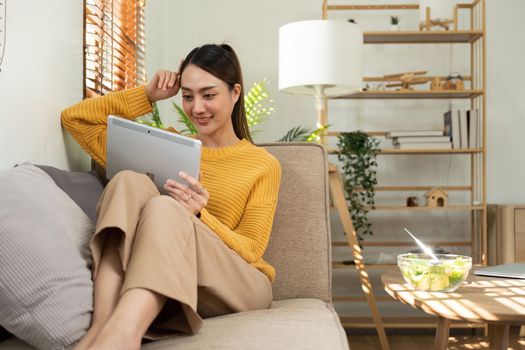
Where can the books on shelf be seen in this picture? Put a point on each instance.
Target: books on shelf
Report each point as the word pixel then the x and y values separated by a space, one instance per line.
pixel 422 139
pixel 410 139
pixel 451 129
pixel 463 127
pixel 474 137
pixel 423 145
pixel 419 133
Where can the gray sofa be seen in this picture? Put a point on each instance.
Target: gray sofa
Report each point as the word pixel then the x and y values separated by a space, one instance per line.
pixel 302 314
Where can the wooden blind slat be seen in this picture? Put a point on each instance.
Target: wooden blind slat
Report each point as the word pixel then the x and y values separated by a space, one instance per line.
pixel 114 54
pixel 93 19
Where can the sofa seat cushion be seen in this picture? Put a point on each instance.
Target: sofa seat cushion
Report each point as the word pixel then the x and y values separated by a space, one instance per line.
pixel 288 324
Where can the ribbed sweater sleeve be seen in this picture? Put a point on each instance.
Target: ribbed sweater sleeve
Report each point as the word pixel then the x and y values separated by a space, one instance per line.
pixel 87 120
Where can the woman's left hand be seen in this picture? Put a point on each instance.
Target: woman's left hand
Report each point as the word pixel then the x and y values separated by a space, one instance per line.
pixel 194 198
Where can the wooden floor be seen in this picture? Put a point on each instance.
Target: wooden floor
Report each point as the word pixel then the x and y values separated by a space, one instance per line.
pixel 424 339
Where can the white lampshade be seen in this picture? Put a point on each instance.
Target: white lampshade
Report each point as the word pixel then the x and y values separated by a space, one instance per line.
pixel 439 9
pixel 324 54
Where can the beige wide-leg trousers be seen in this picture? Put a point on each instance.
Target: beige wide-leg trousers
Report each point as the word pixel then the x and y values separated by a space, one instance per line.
pixel 169 251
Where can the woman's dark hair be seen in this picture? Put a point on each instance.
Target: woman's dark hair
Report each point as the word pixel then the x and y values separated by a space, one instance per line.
pixel 222 62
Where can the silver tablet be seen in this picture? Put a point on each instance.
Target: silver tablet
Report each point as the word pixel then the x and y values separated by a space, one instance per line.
pixel 158 153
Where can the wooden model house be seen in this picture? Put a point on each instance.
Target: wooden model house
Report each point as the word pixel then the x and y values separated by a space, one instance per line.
pixel 436 197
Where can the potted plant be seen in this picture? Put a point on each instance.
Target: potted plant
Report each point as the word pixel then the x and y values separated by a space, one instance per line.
pixel 357 152
pixel 394 23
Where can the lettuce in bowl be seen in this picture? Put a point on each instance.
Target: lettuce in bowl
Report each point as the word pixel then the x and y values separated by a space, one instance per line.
pixel 424 273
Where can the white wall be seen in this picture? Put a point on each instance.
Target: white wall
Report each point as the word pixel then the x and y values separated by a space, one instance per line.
pixel 251 27
pixel 505 102
pixel 41 75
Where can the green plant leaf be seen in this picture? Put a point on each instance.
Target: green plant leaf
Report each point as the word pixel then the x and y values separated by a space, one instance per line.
pixel 302 134
pixel 314 135
pixel 358 151
pixel 183 118
pixel 156 116
pixel 255 104
pixel 298 133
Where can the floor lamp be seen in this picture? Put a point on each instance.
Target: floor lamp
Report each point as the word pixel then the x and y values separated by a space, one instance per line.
pixel 323 58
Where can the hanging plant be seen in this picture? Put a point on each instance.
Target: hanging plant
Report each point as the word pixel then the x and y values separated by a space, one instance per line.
pixel 358 152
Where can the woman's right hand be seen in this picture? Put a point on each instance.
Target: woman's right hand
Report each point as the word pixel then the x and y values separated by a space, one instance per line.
pixel 163 85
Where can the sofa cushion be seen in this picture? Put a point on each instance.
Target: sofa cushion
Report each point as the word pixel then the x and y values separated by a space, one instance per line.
pixel 288 324
pixel 299 247
pixel 83 188
pixel 45 276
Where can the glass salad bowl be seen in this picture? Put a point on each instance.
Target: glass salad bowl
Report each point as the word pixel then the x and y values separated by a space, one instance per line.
pixel 425 273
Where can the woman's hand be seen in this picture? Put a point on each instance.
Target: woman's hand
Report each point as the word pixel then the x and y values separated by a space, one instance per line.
pixel 194 198
pixel 163 85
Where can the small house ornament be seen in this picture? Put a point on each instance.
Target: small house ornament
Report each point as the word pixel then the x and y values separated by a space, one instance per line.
pixel 436 197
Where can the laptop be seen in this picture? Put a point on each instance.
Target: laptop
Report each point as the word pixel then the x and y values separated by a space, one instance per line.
pixel 158 153
pixel 505 270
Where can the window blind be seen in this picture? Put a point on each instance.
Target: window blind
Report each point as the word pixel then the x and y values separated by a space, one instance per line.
pixel 114 45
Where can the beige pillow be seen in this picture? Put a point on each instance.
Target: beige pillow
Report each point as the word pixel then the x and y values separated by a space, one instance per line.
pixel 45 277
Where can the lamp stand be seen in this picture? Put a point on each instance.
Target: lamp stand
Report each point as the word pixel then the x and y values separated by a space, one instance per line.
pixel 320 107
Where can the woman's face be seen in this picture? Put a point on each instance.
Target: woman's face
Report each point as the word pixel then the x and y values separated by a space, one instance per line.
pixel 208 102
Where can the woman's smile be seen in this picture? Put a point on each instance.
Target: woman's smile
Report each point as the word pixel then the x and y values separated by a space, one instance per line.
pixel 203 120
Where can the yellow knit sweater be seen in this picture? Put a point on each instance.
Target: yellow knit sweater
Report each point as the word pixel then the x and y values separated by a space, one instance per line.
pixel 243 180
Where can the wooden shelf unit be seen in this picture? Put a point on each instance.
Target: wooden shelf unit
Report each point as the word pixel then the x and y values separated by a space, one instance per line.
pixel 423 208
pixel 475 37
pixel 423 151
pixel 416 37
pixel 404 244
pixel 414 94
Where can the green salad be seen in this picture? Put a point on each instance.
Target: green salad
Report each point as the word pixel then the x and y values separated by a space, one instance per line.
pixel 427 274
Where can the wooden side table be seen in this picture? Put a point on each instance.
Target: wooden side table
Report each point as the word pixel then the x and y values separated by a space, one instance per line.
pixel 498 301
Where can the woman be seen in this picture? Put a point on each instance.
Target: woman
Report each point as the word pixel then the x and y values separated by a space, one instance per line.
pixel 162 263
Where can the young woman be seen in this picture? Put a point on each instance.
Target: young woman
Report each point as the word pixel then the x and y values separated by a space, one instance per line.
pixel 162 263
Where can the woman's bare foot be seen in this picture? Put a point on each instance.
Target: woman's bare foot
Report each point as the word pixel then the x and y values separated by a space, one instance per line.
pixel 112 339
pixel 87 339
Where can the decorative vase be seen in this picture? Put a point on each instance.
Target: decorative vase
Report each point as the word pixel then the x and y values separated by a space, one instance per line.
pixel 394 28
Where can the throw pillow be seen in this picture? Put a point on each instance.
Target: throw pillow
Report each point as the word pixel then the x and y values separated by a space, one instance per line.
pixel 45 277
pixel 84 188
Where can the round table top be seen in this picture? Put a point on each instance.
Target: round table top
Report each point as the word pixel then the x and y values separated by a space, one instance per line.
pixel 489 299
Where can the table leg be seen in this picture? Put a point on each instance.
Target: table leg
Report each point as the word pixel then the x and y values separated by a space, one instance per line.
pixel 499 336
pixel 442 330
